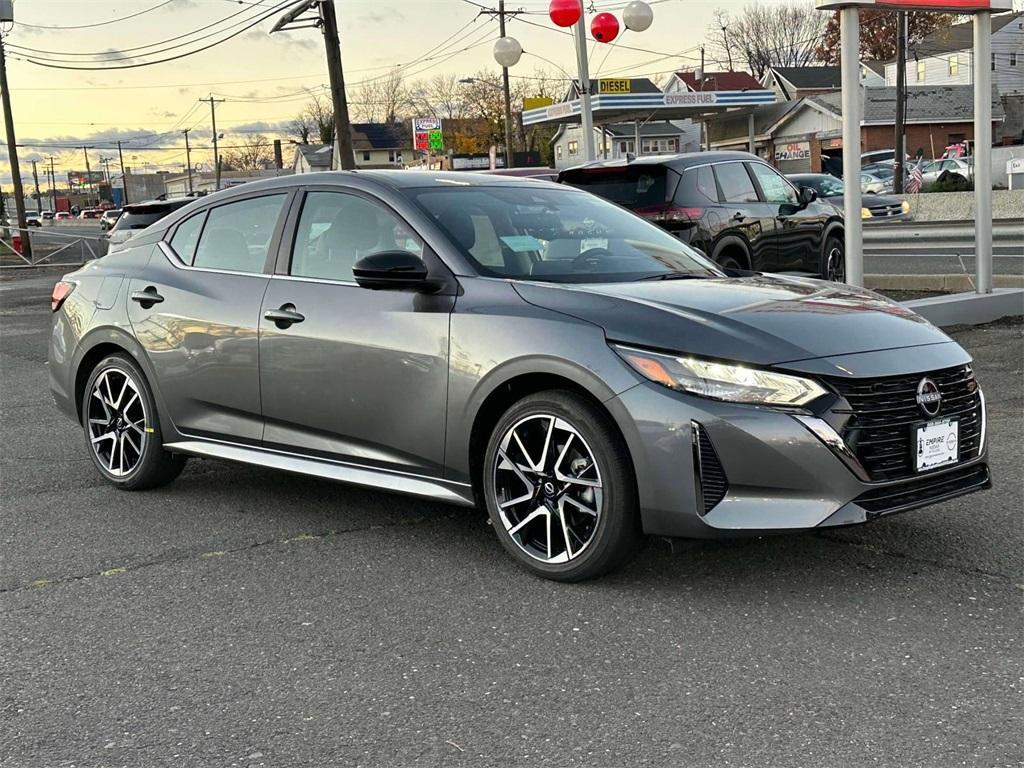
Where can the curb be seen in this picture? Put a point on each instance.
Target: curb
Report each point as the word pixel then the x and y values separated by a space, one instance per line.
pixel 954 283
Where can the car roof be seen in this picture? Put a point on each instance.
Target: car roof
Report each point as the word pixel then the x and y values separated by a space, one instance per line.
pixel 676 162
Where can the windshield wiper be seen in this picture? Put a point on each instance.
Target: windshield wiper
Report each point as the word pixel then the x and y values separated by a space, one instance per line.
pixel 675 276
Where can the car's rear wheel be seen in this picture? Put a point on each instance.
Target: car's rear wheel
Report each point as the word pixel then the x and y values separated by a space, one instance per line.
pixel 729 261
pixel 833 260
pixel 122 430
pixel 560 488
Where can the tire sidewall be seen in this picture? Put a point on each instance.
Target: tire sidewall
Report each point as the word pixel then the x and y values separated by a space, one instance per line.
pixel 619 488
pixel 153 443
pixel 833 242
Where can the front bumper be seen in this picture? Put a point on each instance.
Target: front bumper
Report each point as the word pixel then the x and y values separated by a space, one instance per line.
pixel 783 471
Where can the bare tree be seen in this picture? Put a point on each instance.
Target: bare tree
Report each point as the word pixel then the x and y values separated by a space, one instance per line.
pixel 254 154
pixel 763 36
pixel 441 96
pixel 382 99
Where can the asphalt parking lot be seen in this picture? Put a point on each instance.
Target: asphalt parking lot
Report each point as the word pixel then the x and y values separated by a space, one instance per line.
pixel 245 618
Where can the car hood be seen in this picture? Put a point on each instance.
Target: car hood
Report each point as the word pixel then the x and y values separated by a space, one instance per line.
pixel 762 319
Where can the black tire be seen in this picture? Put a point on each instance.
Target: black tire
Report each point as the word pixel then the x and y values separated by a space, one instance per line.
pixel 833 259
pixel 617 535
pixel 728 261
pixel 152 466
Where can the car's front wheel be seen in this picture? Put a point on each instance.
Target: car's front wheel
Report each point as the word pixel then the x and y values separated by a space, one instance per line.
pixel 833 260
pixel 560 488
pixel 122 430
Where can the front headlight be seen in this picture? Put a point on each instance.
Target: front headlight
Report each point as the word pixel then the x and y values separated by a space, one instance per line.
pixel 905 206
pixel 722 381
pixel 865 213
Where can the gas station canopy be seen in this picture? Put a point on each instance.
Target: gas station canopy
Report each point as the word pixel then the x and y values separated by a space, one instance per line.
pixel 620 101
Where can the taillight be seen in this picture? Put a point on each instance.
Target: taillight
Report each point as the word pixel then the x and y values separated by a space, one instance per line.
pixel 60 292
pixel 670 213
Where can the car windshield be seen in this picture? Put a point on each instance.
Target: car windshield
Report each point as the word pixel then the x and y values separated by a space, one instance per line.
pixel 557 235
pixel 825 186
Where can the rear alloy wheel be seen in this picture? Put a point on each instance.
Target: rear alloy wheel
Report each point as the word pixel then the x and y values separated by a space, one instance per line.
pixel 834 261
pixel 122 430
pixel 560 489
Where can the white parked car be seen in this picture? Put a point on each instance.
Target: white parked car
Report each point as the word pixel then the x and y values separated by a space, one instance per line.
pixel 872 185
pixel 930 172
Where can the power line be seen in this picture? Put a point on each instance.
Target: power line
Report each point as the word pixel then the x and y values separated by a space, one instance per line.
pixel 101 23
pixel 215 43
pixel 102 54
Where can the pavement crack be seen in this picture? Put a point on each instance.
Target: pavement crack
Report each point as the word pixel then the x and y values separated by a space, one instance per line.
pixel 203 553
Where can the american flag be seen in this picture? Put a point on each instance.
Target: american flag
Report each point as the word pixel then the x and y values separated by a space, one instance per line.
pixel 915 181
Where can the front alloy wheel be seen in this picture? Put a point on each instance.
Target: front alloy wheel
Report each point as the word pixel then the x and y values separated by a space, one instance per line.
pixel 835 261
pixel 549 490
pixel 560 488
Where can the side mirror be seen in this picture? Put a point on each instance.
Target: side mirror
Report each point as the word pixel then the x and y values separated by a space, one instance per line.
pixel 807 196
pixel 391 270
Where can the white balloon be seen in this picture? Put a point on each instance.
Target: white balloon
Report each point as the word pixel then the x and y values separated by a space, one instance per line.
pixel 507 51
pixel 637 16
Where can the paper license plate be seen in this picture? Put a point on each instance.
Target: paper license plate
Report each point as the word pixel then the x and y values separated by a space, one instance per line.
pixel 937 444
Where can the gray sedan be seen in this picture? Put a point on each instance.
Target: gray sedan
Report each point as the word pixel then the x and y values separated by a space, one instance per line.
pixel 530 348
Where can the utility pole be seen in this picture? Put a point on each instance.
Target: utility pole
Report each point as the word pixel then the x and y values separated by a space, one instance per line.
pixel 342 128
pixel 124 177
pixel 501 13
pixel 12 150
pixel 901 103
pixel 88 170
pixel 53 185
pixel 188 159
pixel 39 197
pixel 216 152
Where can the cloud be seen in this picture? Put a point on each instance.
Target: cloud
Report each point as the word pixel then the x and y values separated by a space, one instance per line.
pixel 374 18
pixel 258 126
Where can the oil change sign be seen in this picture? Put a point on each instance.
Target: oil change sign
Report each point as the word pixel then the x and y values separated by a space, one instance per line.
pixel 800 150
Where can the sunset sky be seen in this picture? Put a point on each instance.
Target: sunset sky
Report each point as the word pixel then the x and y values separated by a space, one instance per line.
pixel 262 76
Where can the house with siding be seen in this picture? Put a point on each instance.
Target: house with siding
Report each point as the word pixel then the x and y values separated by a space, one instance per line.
pixel 946 57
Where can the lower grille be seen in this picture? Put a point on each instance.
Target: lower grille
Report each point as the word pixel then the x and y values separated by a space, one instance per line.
pixel 884 211
pixel 925 490
pixel 711 481
pixel 883 412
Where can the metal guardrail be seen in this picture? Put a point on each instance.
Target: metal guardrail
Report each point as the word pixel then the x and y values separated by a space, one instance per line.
pixel 48 248
pixel 925 236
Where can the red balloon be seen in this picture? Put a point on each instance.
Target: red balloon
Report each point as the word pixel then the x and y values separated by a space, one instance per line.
pixel 565 13
pixel 604 27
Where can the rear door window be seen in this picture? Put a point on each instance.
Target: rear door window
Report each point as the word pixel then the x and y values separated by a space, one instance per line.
pixel 637 186
pixel 237 235
pixel 736 184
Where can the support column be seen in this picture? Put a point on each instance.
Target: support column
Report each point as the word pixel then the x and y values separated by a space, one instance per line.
pixel 751 144
pixel 849 41
pixel 982 69
pixel 586 114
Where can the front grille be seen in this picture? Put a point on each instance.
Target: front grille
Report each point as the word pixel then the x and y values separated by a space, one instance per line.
pixel 925 490
pixel 711 482
pixel 883 411
pixel 884 211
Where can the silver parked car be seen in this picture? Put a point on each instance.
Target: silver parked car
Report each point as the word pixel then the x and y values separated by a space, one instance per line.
pixel 525 346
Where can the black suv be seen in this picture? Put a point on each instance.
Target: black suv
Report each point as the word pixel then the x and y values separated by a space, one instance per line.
pixel 732 205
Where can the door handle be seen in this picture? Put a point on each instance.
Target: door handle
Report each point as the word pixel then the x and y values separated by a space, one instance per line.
pixel 284 316
pixel 738 216
pixel 148 297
